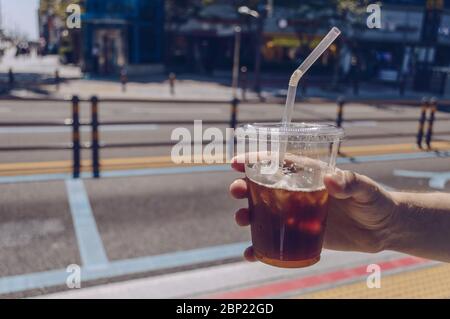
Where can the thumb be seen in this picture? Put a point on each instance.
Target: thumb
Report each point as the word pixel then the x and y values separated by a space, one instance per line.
pixel 347 184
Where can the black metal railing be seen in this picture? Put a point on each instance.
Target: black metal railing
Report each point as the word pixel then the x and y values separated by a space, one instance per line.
pixel 424 134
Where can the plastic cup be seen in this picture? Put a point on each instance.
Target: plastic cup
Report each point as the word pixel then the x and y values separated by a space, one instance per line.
pixel 288 204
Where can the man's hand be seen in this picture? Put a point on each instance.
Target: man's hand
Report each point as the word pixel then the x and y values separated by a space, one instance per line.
pixel 359 217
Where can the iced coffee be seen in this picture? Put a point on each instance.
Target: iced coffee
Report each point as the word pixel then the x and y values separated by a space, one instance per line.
pixel 288 206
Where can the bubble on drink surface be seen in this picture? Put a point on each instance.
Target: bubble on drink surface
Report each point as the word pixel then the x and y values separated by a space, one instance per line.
pixel 281 201
pixel 298 175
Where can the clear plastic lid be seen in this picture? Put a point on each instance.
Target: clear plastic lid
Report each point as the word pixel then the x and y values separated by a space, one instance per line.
pixel 301 132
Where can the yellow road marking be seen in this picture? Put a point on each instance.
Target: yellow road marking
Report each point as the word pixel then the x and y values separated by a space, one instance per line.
pixel 430 282
pixel 34 165
pixel 88 168
pixel 9 169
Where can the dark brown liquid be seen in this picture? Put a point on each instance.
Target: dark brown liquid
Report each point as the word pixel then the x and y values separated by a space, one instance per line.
pixel 287 226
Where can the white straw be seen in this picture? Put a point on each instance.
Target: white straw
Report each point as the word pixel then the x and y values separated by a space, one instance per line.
pixel 295 78
pixel 314 55
pixel 303 68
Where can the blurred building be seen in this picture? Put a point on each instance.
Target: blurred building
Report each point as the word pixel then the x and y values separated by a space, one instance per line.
pixel 414 39
pixel 50 26
pixel 203 41
pixel 413 43
pixel 122 33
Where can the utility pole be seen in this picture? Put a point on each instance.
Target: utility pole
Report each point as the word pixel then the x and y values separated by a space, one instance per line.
pixel 236 60
pixel 269 8
pixel 1 16
pixel 429 36
pixel 259 40
pixel 264 12
pixel 246 11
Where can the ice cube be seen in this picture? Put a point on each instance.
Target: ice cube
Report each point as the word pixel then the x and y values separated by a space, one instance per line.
pixel 290 221
pixel 311 227
pixel 323 199
pixel 309 199
pixel 281 200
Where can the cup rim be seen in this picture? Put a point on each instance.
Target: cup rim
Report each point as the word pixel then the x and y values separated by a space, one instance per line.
pixel 312 132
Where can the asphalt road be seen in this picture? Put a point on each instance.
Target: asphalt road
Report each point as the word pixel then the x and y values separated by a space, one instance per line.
pixel 144 216
pixel 149 215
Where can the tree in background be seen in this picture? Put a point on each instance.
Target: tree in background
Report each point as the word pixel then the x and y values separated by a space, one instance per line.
pixel 53 30
pixel 57 7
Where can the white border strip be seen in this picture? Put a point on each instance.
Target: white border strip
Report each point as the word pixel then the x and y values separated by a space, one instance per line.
pixel 90 244
pixel 123 267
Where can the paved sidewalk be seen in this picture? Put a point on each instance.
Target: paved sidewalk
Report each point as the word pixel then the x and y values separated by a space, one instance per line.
pixel 37 65
pixel 211 89
pixel 192 87
pixel 157 89
pixel 35 69
pixel 337 273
